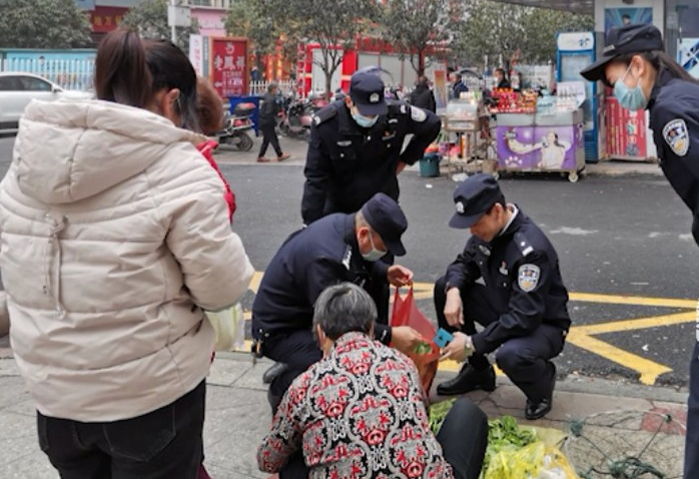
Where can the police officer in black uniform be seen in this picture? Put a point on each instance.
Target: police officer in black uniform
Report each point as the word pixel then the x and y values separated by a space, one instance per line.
pixel 507 279
pixel 644 76
pixel 355 149
pixel 337 248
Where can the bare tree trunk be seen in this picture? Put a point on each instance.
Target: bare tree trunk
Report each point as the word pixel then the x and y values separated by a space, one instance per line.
pixel 420 62
pixel 328 82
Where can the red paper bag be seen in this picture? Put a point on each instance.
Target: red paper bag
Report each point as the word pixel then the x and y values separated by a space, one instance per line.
pixel 406 313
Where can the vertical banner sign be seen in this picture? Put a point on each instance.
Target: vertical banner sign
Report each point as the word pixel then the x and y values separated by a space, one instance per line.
pixel 441 93
pixel 196 53
pixel 228 59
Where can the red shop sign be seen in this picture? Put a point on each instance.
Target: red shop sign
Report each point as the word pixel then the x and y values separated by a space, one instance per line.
pixel 228 65
pixel 106 19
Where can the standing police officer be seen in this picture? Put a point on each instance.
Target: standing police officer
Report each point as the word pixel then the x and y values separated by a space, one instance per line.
pixel 356 148
pixel 508 280
pixel 645 77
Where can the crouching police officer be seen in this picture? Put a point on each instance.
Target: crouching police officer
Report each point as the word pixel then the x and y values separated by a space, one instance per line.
pixel 507 279
pixel 337 248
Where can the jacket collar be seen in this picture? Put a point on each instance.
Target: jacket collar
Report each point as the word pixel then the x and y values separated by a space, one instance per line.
pixel 513 226
pixel 513 218
pixel 351 340
pixel 664 77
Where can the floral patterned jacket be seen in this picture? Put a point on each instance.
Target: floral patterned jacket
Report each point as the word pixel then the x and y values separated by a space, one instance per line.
pixel 357 413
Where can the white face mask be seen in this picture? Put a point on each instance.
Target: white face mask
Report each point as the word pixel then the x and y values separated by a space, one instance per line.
pixel 364 121
pixel 374 254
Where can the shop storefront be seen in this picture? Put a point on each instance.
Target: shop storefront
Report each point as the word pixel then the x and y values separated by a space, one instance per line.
pixel 623 134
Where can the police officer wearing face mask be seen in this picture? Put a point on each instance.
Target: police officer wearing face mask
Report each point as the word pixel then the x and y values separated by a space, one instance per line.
pixel 507 279
pixel 334 249
pixel 645 77
pixel 355 149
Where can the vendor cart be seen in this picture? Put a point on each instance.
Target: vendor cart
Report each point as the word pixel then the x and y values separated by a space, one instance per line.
pixel 473 150
pixel 541 142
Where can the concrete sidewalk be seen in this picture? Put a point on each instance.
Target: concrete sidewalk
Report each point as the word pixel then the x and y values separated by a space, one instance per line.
pixel 298 148
pixel 238 416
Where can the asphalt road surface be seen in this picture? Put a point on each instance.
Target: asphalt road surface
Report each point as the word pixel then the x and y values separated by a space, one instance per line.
pixel 624 244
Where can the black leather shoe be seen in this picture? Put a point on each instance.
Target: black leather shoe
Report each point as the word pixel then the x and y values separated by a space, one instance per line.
pixel 537 410
pixel 273 371
pixel 469 379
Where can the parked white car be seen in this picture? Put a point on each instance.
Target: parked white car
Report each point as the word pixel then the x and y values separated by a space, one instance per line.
pixel 18 89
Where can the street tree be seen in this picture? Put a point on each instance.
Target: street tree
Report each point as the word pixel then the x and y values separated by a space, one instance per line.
pixel 43 24
pixel 501 31
pixel 254 20
pixel 541 26
pixel 416 27
pixel 335 26
pixel 149 18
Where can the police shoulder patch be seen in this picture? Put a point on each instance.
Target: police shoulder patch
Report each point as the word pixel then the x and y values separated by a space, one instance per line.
pixel 523 244
pixel 417 114
pixel 528 277
pixel 676 136
pixel 324 115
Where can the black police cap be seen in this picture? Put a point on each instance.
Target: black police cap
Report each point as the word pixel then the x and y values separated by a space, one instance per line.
pixel 634 38
pixel 473 198
pixel 387 219
pixel 367 92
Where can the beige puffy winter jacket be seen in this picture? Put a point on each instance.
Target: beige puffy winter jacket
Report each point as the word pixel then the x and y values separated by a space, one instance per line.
pixel 114 235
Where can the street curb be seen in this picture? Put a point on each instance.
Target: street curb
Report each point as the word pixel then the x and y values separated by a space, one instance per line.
pixel 570 384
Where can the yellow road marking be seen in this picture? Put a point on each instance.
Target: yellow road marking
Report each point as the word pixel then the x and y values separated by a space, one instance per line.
pixel 649 370
pixel 583 335
pixel 634 300
pixel 638 323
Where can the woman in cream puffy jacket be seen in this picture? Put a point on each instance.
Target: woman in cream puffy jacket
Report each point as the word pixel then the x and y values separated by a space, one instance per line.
pixel 114 239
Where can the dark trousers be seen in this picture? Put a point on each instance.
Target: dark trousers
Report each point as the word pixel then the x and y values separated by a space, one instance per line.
pixel 298 350
pixel 464 438
pixel 691 449
pixel 525 359
pixel 269 135
pixel 166 443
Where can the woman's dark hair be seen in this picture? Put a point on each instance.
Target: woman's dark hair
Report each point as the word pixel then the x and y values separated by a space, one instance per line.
pixel 130 71
pixel 660 61
pixel 209 108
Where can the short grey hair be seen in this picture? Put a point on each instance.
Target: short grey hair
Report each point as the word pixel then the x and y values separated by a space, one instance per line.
pixel 272 86
pixel 344 308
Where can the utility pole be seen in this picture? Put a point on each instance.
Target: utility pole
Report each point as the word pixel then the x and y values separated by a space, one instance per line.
pixel 173 28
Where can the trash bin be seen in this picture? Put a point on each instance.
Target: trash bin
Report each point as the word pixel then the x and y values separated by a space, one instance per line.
pixel 233 101
pixel 429 165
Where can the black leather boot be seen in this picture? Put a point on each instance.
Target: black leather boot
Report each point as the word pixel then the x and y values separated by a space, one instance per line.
pixel 469 379
pixel 538 408
pixel 273 371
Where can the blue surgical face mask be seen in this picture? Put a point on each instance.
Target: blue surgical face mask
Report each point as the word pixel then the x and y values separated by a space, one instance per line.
pixel 629 98
pixel 364 121
pixel 374 254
